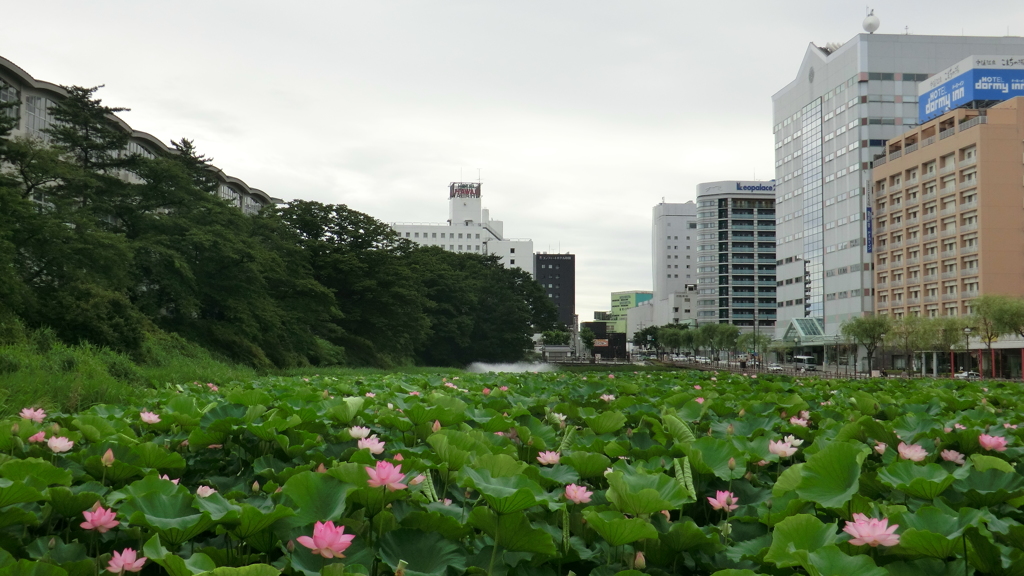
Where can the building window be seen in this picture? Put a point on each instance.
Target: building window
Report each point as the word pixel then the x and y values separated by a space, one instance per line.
pixel 512 251
pixel 511 261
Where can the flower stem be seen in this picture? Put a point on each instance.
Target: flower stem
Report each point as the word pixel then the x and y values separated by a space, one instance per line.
pixel 494 550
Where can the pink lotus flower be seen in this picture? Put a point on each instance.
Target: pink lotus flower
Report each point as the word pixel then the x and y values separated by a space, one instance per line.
pixel 996 443
pixel 947 430
pixel 762 463
pixel 101 519
pixel 959 426
pixel 398 457
pixel 34 414
pixel 724 501
pixel 913 452
pixel 184 443
pixel 713 379
pixel 794 441
pixel 880 447
pixel 215 446
pixel 549 458
pixel 698 400
pixel 871 531
pixel 149 417
pixel 503 388
pixel 437 426
pixel 639 562
pixel 953 456
pixel 417 480
pixel 798 421
pixel 485 391
pixel 414 393
pixel 385 474
pixel 1009 426
pixel 38 437
pixel 59 444
pixel 578 494
pixel 668 515
pixel 328 541
pixel 213 387
pixel 781 449
pixel 607 397
pixel 321 469
pixel 168 478
pixel 611 376
pixel 697 387
pixel 359 431
pixel 126 560
pixel 108 458
pixel 205 491
pixel 371 395
pixel 447 501
pixel 373 444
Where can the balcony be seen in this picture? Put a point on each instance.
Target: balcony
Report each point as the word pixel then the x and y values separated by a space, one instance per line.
pixel 880 285
pixel 929 216
pixel 969 205
pixel 968 162
pixel 950 275
pixel 896 283
pixel 742 282
pixel 895 245
pixel 948 211
pixel 969 249
pixel 913 201
pixel 742 249
pixel 928 141
pixel 878 162
pixel 930 278
pixel 970 294
pixel 913 221
pixel 930 257
pixel 913 261
pixel 895 155
pixel 895 187
pixel 928 195
pixel 896 225
pixel 947 133
pixel 929 299
pixel 913 301
pixel 949 231
pixel 766 216
pixel 949 297
pixel 882 304
pixel 968 227
pixel 966 184
pixel 973 122
pixel 741 227
pixel 929 237
pixel 913 241
pixel 881 266
pixel 766 282
pixel 947 168
pixel 948 253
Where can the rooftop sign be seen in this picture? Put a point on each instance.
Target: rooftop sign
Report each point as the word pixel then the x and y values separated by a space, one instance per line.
pixel 464 190
pixel 972 79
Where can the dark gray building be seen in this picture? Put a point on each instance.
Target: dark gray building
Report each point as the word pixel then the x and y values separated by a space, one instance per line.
pixel 557 274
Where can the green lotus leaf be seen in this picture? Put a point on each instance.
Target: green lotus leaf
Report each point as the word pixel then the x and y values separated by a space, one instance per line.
pixel 54 549
pixel 119 471
pixel 990 487
pixel 151 455
pixel 926 567
pixel 250 570
pixel 36 472
pixel 6 559
pixel 513 531
pixel 499 465
pixel 929 543
pixel 33 568
pixel 831 561
pixel 175 564
pixel 94 428
pixel 172 516
pixel 927 481
pixel 505 495
pixel 223 418
pixel 789 480
pixel 711 456
pixel 347 410
pixel 253 519
pixel 426 554
pixel 220 510
pixel 248 397
pixel 314 498
pixel 17 516
pixel 832 476
pixel 982 463
pixel 802 532
pixel 557 475
pixel 641 493
pixel 448 454
pixel 587 464
pixel 606 422
pixel 735 572
pixel 67 503
pixel 616 529
pixel 680 432
pixel 692 411
pixel 753 549
pixel 687 535
pixel 431 521
pixel 17 492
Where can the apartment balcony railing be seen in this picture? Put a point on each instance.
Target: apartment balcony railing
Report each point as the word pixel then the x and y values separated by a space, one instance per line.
pixel 973 122
pixel 949 297
pixel 913 241
pixel 913 261
pixel 949 231
pixel 895 245
pixel 913 201
pixel 910 148
pixel 969 249
pixel 912 221
pixel 896 225
pixel 766 282
pixel 948 253
pixel 878 161
pixel 929 216
pixel 742 249
pixel 895 187
pixel 880 285
pixel 881 266
pixel 968 205
pixel 948 211
pixel 930 278
pixel 969 294
pixel 928 141
pixel 896 283
pixel 929 237
pixel 930 257
pixel 913 301
pixel 928 195
pixel 947 133
pixel 968 227
pixel 950 275
pixel 880 210
pixel 895 154
pixel 968 162
pixel 930 299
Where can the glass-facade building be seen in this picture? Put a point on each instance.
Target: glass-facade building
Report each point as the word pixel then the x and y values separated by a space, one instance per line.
pixel 736 254
pixel 829 123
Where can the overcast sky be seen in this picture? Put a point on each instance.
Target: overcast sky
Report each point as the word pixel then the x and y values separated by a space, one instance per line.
pixel 579 115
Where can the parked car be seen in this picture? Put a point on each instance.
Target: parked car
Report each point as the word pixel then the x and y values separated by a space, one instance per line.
pixel 967 375
pixel 703 360
pixel 775 368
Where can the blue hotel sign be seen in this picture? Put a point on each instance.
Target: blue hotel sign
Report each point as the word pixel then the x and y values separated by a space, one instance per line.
pixel 871 239
pixel 977 78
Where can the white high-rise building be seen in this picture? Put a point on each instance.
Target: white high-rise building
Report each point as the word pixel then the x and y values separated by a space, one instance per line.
pixel 829 123
pixel 470 229
pixel 673 248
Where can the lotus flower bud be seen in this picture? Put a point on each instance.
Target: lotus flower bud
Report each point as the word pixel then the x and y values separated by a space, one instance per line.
pixel 290 546
pixel 749 476
pixel 321 469
pixel 732 463
pixel 52 543
pixel 730 429
pixel 325 395
pixel 15 428
pixel 639 562
pixel 256 486
pixel 743 412
pixel 55 427
pixel 400 569
pixel 108 458
pixel 437 426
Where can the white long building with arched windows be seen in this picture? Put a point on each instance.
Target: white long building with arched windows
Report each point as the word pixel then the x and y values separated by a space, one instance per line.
pixel 35 98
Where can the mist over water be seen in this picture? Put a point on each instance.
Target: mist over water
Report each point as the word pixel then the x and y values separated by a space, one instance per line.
pixel 480 367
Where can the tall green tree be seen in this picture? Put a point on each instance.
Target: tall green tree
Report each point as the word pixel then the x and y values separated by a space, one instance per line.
pixel 868 331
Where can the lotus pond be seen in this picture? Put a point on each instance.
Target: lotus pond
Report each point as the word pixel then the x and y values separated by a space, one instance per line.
pixel 522 475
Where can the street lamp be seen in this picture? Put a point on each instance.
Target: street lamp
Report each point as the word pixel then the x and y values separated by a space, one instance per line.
pixel 967 349
pixel 881 362
pixel 837 355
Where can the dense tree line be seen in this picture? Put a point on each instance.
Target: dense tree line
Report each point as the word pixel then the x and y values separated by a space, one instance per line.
pixel 103 246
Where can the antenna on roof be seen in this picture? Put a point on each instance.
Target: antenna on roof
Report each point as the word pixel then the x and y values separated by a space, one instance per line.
pixel 477 175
